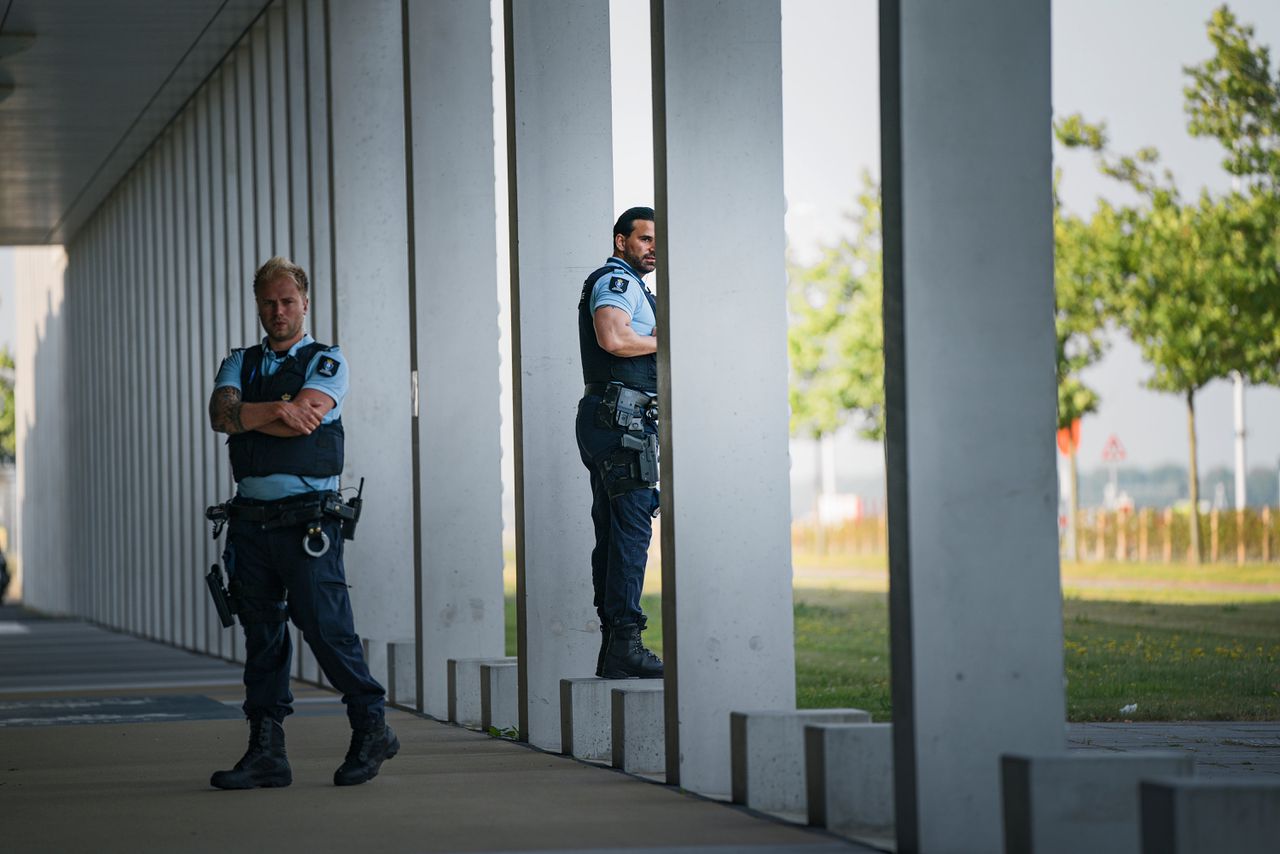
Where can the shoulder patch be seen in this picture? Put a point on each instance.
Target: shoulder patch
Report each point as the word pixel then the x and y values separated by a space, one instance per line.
pixel 328 366
pixel 619 285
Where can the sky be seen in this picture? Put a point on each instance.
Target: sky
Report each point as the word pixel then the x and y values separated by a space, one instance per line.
pixel 1115 62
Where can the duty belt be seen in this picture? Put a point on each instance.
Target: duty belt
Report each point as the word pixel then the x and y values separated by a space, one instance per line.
pixel 282 514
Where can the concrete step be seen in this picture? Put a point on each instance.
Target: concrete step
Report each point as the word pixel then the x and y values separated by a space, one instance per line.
pixel 402 672
pixel 1188 816
pixel 464 688
pixel 767 755
pixel 1055 803
pixel 500 696
pixel 849 779
pixel 638 728
pixel 586 714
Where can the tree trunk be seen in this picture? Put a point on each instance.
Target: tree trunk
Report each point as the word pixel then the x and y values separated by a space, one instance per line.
pixel 1193 476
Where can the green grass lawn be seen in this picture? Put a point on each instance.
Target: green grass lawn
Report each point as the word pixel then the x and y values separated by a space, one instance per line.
pixel 1183 643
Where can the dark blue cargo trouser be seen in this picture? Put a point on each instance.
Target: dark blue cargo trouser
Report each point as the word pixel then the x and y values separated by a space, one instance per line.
pixel 270 576
pixel 623 524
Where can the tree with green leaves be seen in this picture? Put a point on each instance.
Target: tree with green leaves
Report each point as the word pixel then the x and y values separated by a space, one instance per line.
pixel 1080 249
pixel 836 334
pixel 1194 283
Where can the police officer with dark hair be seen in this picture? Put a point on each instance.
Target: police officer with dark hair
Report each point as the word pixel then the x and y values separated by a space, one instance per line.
pixel 618 438
pixel 280 402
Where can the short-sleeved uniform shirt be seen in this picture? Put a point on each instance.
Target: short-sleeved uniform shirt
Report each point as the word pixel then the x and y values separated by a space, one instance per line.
pixel 327 373
pixel 623 288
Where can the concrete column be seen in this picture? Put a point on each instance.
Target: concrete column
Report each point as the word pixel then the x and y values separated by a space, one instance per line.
pixel 970 400
pixel 278 131
pixel 299 161
pixel 157 471
pixel 169 304
pixel 218 343
pixel 134 340
pixel 560 163
pixel 459 425
pixel 191 376
pixel 726 547
pixel 47 453
pixel 369 208
pixel 319 147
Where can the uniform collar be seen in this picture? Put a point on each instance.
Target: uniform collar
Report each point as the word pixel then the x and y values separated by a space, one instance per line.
pixel 271 354
pixel 618 262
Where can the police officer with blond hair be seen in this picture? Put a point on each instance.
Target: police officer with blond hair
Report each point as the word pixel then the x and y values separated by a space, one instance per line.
pixel 280 403
pixel 617 435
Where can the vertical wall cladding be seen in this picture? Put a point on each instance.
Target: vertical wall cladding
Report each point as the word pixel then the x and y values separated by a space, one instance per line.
pixel 260 134
pixel 215 341
pixel 130 392
pixel 293 124
pixel 278 132
pixel 167 299
pixel 319 146
pixel 149 428
pixel 184 278
pixel 201 333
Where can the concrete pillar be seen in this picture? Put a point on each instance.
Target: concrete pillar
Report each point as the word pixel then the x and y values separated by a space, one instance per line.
pixel 970 401
pixel 560 164
pixel 318 138
pixel 455 311
pixel 232 291
pixel 726 548
pixel 369 208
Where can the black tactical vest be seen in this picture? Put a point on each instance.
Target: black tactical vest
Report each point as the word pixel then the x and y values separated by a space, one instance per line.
pixel 255 454
pixel 598 364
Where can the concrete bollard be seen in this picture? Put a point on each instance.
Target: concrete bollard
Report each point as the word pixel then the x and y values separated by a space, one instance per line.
pixel 1188 816
pixel 500 696
pixel 402 672
pixel 375 655
pixel 638 728
pixel 849 777
pixel 464 688
pixel 1061 803
pixel 586 714
pixel 767 755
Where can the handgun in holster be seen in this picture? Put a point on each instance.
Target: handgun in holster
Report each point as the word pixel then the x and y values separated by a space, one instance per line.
pixel 221 598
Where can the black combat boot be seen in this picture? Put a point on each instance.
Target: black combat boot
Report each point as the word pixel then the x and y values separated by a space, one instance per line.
pixel 604 645
pixel 625 656
pixel 369 749
pixel 264 764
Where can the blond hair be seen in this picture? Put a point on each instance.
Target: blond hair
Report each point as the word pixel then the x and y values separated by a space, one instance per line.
pixel 276 267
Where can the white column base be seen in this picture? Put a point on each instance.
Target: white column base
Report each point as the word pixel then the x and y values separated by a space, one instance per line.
pixel 500 696
pixel 586 714
pixel 767 755
pixel 464 689
pixel 402 672
pixel 1206 816
pixel 849 778
pixel 639 729
pixel 1060 803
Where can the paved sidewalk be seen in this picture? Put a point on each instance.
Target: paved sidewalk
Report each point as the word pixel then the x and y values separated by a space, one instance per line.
pixel 107 742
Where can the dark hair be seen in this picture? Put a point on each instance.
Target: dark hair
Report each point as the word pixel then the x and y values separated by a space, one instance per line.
pixel 627 222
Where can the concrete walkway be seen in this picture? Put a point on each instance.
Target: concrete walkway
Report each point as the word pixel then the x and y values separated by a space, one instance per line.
pixel 107 742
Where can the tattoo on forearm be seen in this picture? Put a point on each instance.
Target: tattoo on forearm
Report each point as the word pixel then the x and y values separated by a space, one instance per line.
pixel 224 410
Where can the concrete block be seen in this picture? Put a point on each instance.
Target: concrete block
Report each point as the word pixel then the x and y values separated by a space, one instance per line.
pixel 464 688
pixel 767 755
pixel 586 714
pixel 1062 803
pixel 849 777
pixel 639 729
pixel 375 655
pixel 1187 816
pixel 402 672
pixel 500 696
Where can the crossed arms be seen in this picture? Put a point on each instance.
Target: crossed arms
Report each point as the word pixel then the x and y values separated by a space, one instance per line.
pixel 297 417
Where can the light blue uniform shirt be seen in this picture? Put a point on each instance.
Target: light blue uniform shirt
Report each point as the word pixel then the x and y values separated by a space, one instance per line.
pixel 276 486
pixel 624 289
